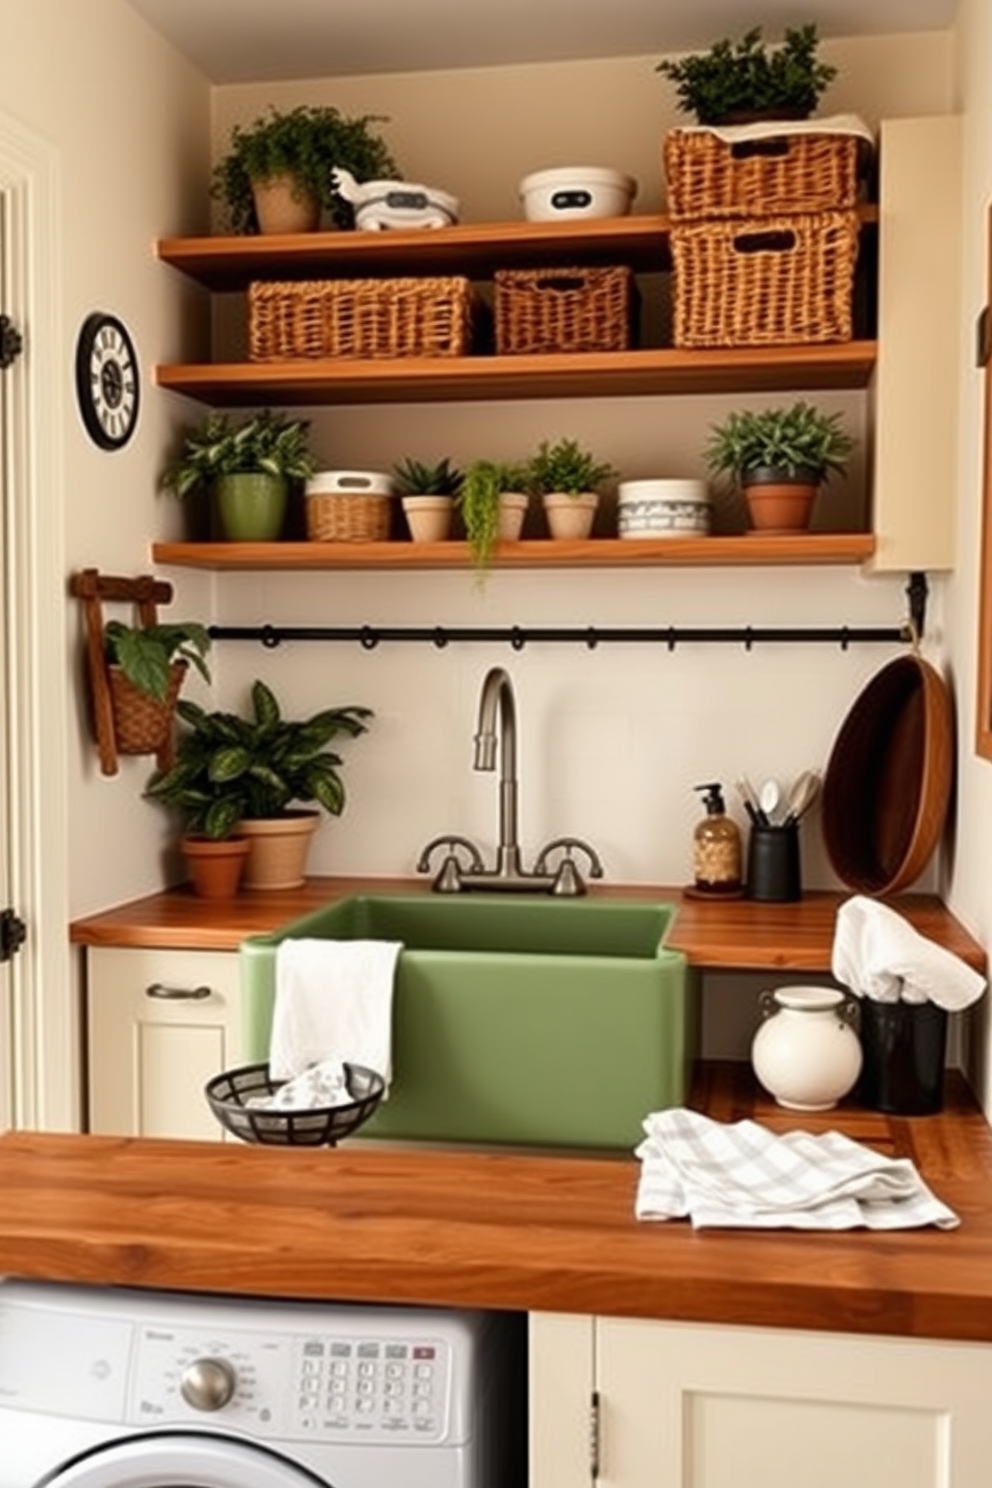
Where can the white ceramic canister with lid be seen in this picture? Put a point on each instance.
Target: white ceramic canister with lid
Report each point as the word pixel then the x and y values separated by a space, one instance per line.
pixel 806 1052
pixel 663 508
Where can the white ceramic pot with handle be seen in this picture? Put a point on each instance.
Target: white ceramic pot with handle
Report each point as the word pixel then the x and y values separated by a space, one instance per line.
pixel 806 1052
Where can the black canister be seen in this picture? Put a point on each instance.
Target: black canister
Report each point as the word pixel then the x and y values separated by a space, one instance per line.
pixel 774 872
pixel 904 1045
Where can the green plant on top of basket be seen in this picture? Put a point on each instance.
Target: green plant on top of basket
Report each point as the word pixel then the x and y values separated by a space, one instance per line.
pixel 248 467
pixel 774 453
pixel 492 502
pixel 568 479
pixel 147 653
pixel 253 772
pixel 738 81
pixel 300 148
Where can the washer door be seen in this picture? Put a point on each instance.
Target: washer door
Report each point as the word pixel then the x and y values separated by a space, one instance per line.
pixel 181 1460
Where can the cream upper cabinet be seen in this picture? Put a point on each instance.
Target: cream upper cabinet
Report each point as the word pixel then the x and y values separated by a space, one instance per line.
pixel 160 1024
pixel 630 1403
pixel 918 371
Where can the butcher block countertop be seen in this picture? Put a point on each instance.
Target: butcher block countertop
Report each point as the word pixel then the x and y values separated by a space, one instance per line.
pixel 737 933
pixel 500 1229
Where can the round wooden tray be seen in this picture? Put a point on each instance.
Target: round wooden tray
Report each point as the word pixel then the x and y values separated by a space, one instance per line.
pixel 887 784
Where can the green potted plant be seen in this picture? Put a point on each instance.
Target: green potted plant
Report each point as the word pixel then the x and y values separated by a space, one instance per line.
pixel 277 174
pixel 145 668
pixel 428 491
pixel 492 503
pixel 779 457
pixel 256 773
pixel 246 468
pixel 736 82
pixel 567 479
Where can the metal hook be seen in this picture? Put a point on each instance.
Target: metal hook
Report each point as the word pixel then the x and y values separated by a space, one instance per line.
pixel 440 637
pixel 517 638
pixel 368 638
pixel 270 637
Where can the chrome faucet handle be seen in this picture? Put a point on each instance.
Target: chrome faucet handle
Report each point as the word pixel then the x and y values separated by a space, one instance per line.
pixel 449 877
pixel 568 881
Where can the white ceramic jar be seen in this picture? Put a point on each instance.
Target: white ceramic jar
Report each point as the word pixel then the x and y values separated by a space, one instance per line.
pixel 806 1053
pixel 663 508
pixel 576 191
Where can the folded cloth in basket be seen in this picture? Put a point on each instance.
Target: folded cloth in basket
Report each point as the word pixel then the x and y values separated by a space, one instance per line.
pixel 878 954
pixel 316 1088
pixel 334 1000
pixel 745 1176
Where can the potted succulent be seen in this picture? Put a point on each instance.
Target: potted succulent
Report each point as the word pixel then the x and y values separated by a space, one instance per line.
pixel 737 82
pixel 567 478
pixel 428 494
pixel 254 774
pixel 277 175
pixel 779 457
pixel 246 468
pixel 492 502
pixel 145 668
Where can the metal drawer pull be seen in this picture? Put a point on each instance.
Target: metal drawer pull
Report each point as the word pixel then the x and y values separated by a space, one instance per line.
pixel 177 994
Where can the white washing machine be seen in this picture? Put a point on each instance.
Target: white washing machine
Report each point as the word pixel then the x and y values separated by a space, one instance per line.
pixel 119 1388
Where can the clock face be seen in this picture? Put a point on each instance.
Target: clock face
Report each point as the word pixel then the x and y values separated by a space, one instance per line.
pixel 107 382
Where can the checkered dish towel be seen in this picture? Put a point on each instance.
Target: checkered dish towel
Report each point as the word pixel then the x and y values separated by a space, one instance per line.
pixel 747 1177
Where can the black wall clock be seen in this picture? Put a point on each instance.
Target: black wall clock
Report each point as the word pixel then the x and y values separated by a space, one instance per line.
pixel 107 381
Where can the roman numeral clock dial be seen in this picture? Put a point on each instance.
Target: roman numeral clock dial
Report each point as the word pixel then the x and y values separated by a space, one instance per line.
pixel 107 382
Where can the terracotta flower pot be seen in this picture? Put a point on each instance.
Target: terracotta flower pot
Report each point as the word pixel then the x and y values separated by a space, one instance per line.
pixel 282 206
pixel 278 850
pixel 570 518
pixel 216 865
pixel 778 502
pixel 512 511
pixel 428 517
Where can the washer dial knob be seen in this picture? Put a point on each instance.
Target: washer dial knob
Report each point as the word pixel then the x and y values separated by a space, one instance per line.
pixel 207 1384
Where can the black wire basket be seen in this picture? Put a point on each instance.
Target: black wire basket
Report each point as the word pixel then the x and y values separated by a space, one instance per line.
pixel 230 1093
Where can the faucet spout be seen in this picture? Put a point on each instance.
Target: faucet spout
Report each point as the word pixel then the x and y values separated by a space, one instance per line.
pixel 497 707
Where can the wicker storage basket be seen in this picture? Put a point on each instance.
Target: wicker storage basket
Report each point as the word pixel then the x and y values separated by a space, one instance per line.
pixel 769 281
pixel 558 309
pixel 708 177
pixel 346 517
pixel 359 318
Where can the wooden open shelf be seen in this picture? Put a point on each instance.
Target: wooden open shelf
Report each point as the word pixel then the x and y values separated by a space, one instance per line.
pixel 748 551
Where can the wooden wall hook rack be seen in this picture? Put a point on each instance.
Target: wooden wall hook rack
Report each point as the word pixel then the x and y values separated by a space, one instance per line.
pixel 145 593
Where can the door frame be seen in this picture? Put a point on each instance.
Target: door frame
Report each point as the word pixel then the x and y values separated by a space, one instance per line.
pixel 46 1080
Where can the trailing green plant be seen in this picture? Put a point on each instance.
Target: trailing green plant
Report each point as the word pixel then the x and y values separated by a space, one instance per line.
pixel 747 77
pixel 478 501
pixel 267 443
pixel 146 653
pixel 793 439
pixel 565 466
pixel 418 478
pixel 305 143
pixel 230 768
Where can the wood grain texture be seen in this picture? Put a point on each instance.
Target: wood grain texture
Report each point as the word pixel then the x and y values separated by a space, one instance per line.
pixel 740 933
pixel 499 1229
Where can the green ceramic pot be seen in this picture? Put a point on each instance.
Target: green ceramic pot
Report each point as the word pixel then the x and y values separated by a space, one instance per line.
pixel 251 508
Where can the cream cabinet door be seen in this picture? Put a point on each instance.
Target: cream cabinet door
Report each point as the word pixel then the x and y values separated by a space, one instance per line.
pixel 160 1024
pixel 626 1403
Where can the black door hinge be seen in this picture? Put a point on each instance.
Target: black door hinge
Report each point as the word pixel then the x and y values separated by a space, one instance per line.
pixel 11 342
pixel 13 933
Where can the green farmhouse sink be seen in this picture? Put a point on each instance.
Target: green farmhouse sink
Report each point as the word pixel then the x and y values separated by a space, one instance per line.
pixel 539 1022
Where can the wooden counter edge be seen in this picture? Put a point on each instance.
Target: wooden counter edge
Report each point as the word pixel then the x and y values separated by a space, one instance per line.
pixel 733 935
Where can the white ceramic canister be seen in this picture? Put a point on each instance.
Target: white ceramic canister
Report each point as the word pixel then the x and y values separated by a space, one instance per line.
pixel 576 191
pixel 663 508
pixel 806 1052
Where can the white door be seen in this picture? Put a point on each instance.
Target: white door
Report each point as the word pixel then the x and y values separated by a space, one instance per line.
pixel 6 1003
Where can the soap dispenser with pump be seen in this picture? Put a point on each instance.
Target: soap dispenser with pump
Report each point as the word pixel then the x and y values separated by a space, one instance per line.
pixel 716 847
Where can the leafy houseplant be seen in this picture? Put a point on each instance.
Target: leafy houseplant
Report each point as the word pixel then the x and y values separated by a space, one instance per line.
pixel 145 654
pixel 234 772
pixel 427 492
pixel 305 145
pixel 492 502
pixel 248 466
pixel 736 81
pixel 796 448
pixel 567 478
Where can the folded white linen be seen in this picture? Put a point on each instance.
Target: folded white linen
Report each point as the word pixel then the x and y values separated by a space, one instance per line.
pixel 878 954
pixel 334 1000
pixel 321 1085
pixel 772 128
pixel 745 1176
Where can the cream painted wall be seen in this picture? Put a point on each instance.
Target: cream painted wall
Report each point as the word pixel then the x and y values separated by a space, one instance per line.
pixel 612 742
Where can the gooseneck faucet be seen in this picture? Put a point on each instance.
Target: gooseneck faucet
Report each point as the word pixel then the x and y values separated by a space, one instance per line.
pixel 496 732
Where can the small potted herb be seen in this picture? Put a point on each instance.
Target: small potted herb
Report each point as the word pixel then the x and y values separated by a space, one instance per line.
pixel 737 82
pixel 145 667
pixel 567 479
pixel 428 492
pixel 492 502
pixel 779 454
pixel 277 175
pixel 247 468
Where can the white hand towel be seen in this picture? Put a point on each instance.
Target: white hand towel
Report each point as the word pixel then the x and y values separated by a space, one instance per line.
pixel 878 954
pixel 747 1177
pixel 316 1087
pixel 334 1000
